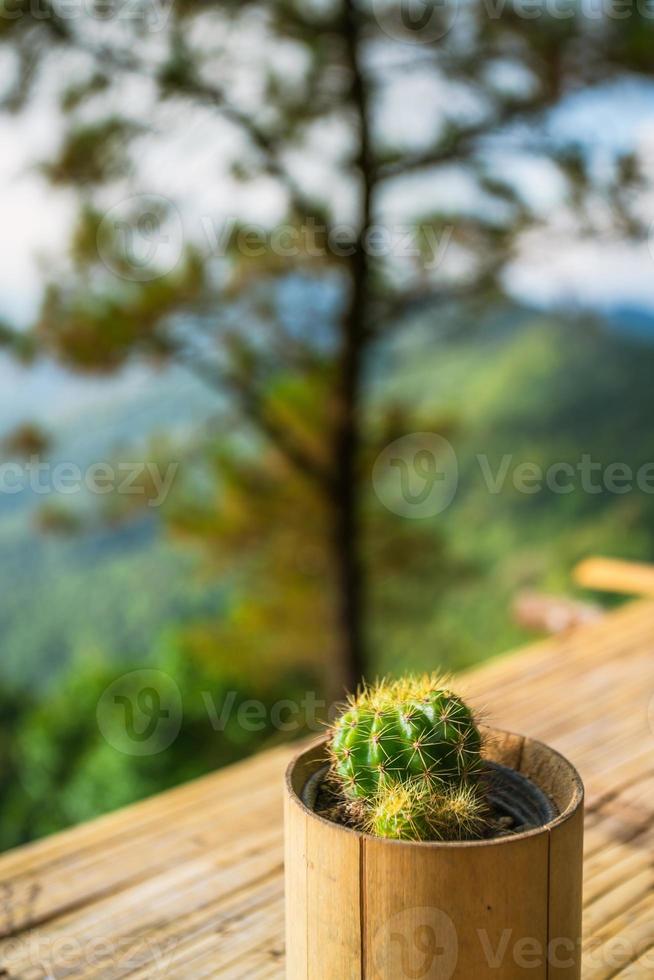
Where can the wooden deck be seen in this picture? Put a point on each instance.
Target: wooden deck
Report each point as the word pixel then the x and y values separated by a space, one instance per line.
pixel 189 884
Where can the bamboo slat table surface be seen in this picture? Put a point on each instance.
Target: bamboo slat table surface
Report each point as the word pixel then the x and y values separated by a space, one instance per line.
pixel 189 884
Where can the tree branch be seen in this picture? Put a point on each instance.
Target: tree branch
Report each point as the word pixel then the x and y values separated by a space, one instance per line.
pixel 408 303
pixel 252 405
pixel 202 92
pixel 458 144
pixel 210 95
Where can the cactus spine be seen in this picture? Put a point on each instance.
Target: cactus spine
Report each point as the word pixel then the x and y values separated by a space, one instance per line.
pixel 407 757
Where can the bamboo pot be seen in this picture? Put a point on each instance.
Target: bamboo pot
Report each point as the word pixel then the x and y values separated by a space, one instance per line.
pixel 362 908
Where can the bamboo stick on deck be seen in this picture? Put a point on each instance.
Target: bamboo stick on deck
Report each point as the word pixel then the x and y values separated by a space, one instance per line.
pixel 614 575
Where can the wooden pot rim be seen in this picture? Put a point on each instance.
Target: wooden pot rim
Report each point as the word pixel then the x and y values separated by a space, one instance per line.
pixel 566 813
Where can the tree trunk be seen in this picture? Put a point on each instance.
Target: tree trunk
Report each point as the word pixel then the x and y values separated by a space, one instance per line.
pixel 351 665
pixel 350 584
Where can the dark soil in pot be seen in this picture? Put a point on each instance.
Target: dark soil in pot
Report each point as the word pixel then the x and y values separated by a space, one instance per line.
pixel 515 803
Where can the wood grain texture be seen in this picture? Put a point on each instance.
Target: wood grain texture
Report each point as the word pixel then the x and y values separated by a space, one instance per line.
pixel 504 909
pixel 334 942
pixel 457 912
pixel 322 875
pixel 565 898
pixel 296 890
pixel 189 884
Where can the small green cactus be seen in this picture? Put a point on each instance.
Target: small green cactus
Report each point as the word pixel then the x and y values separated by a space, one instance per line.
pixel 416 811
pixel 413 728
pixel 407 757
pixel 400 812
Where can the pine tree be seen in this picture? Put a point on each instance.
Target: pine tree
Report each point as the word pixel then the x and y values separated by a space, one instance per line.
pixel 289 90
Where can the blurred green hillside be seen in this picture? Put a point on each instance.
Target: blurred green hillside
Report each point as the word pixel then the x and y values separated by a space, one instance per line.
pixel 112 588
pixel 516 384
pixel 109 591
pixel 530 388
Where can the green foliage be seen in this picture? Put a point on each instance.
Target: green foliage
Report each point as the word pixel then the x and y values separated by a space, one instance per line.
pixel 19 343
pixel 309 405
pixel 27 439
pixel 99 328
pixel 525 388
pixel 300 393
pixel 78 93
pixel 67 594
pixel 519 380
pixel 92 154
pixel 57 769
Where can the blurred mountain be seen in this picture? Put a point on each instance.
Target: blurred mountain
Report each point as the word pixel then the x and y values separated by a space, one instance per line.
pixel 520 385
pixel 112 588
pixel 568 399
pixel 632 321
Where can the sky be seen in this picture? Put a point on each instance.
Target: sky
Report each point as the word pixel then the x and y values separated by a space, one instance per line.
pixel 33 218
pixel 554 269
pixel 603 273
